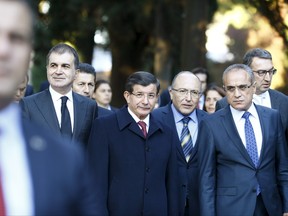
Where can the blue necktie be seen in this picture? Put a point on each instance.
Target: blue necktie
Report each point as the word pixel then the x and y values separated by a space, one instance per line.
pixel 186 140
pixel 66 128
pixel 251 142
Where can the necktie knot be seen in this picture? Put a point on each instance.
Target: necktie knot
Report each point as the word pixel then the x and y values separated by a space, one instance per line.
pixel 185 121
pixel 64 99
pixel 246 115
pixel 143 127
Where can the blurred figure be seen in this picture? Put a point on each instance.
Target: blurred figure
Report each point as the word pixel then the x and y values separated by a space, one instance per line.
pixel 203 75
pixel 21 90
pixel 40 173
pixel 212 94
pixel 84 84
pixel 103 94
pixel 133 155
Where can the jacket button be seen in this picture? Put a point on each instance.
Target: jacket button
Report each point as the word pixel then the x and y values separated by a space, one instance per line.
pixel 146 190
pixel 254 190
pixel 147 149
pixel 147 169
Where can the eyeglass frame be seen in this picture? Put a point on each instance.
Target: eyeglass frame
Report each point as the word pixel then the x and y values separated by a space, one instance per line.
pixel 193 93
pixel 241 88
pixel 263 73
pixel 141 95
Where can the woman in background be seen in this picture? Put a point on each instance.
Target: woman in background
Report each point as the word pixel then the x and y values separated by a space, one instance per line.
pixel 103 94
pixel 213 93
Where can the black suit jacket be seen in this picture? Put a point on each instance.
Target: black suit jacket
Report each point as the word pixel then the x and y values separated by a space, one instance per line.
pixel 279 101
pixel 39 108
pixel 60 177
pixel 187 171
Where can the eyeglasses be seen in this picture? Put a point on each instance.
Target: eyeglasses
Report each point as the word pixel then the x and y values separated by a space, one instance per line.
pixel 262 73
pixel 183 92
pixel 241 88
pixel 141 95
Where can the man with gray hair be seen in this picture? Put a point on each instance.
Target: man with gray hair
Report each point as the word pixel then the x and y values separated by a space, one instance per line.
pixel 260 61
pixel 242 154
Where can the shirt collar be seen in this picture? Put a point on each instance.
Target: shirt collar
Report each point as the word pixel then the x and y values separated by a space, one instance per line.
pixel 56 96
pixel 178 116
pixel 146 120
pixel 237 115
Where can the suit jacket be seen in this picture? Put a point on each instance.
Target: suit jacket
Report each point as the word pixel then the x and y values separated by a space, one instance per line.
pixel 134 175
pixel 279 101
pixel 39 108
pixel 60 178
pixel 103 112
pixel 187 171
pixel 227 174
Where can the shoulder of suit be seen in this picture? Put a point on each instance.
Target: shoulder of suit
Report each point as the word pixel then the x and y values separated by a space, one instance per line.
pixel 278 93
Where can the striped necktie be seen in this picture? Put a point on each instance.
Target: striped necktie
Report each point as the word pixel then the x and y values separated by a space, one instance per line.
pixel 186 140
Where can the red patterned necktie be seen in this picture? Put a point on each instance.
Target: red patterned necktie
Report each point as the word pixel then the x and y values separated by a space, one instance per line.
pixel 143 127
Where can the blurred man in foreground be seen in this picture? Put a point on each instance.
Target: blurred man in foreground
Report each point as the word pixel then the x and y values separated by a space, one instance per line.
pixel 40 173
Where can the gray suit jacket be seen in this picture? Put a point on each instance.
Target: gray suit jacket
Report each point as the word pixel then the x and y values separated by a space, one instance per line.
pixel 39 108
pixel 279 101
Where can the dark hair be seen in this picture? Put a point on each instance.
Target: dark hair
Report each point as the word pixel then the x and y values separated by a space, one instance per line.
pixel 201 70
pixel 99 82
pixel 213 86
pixel 256 52
pixel 239 67
pixel 141 78
pixel 87 68
pixel 61 49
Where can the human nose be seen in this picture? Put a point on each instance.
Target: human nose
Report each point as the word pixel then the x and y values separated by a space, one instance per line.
pixel 237 92
pixel 4 46
pixel 268 75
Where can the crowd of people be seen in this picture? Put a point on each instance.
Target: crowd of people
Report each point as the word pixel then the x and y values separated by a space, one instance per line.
pixel 67 151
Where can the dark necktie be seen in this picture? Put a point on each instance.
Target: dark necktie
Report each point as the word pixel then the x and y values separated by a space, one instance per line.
pixel 143 127
pixel 251 142
pixel 66 128
pixel 186 140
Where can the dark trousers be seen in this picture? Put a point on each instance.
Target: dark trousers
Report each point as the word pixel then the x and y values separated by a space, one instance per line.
pixel 260 209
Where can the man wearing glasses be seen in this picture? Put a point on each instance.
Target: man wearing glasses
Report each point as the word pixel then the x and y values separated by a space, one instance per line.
pixel 133 156
pixel 183 117
pixel 260 61
pixel 242 154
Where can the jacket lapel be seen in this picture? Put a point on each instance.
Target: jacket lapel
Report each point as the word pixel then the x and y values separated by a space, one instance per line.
pixel 230 127
pixel 168 118
pixel 47 110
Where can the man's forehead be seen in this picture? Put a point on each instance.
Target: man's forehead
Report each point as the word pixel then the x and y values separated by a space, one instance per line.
pixel 15 16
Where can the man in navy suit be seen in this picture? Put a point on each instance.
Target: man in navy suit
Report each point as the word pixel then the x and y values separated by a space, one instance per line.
pixel 260 61
pixel 185 93
pixel 242 154
pixel 40 174
pixel 133 156
pixel 45 107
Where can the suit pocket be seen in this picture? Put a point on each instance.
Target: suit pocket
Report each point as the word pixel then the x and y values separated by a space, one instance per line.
pixel 226 191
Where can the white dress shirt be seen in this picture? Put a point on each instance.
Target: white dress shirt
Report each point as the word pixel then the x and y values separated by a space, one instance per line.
pixel 254 119
pixel 146 120
pixel 14 165
pixel 262 99
pixel 56 98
